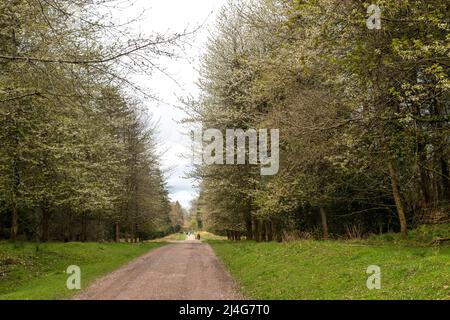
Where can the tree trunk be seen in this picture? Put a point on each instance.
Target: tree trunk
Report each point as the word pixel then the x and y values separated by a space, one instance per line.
pixel 323 217
pixel 14 223
pixel 83 227
pixel 258 230
pixel 263 230
pixel 45 223
pixel 269 231
pixel 136 233
pixel 15 172
pixel 445 179
pixel 68 228
pixel 132 236
pixel 14 211
pixel 276 230
pixel 266 230
pixel 254 228
pixel 116 232
pixel 398 200
pixel 424 180
pixel 249 228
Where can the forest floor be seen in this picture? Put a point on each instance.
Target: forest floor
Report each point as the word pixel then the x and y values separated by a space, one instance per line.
pixel 311 269
pixel 28 271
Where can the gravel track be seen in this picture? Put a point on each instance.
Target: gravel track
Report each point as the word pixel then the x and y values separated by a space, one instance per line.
pixel 185 270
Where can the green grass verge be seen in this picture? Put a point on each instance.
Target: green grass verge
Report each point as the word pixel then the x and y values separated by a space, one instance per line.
pixel 423 235
pixel 335 270
pixel 204 235
pixel 27 273
pixel 172 237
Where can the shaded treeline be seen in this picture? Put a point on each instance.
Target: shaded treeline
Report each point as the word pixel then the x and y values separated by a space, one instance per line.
pixel 363 117
pixel 176 216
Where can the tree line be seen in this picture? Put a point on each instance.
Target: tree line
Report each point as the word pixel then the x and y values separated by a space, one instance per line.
pixel 78 156
pixel 363 117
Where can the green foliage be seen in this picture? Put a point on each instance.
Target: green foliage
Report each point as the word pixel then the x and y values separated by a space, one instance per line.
pixel 78 155
pixel 363 115
pixel 176 216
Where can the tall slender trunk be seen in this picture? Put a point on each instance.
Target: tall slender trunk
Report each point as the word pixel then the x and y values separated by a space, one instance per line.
pixel 260 230
pixel 276 230
pixel 83 227
pixel 15 172
pixel 249 227
pixel 133 235
pixel 323 217
pixel 15 192
pixel 254 228
pixel 45 224
pixel 269 230
pixel 445 179
pixel 14 223
pixel 263 230
pixel 136 233
pixel 398 200
pixel 443 186
pixel 266 235
pixel 116 232
pixel 424 180
pixel 67 227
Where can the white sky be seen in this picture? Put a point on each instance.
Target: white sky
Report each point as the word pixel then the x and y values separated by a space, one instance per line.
pixel 175 16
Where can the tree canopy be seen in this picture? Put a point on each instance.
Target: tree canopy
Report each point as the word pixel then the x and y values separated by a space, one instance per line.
pixel 363 116
pixel 78 159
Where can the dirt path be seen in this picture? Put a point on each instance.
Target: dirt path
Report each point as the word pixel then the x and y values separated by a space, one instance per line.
pixel 184 270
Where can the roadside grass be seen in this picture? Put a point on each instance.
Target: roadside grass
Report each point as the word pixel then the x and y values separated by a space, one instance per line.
pixel 172 237
pixel 204 235
pixel 312 269
pixel 32 271
pixel 424 235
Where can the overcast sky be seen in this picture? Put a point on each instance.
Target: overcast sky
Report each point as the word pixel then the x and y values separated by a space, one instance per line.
pixel 175 16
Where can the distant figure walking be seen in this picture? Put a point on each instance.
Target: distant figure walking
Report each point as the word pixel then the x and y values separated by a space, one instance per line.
pixel 190 237
pixel 198 236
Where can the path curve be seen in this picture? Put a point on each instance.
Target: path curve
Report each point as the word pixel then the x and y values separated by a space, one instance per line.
pixel 186 270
